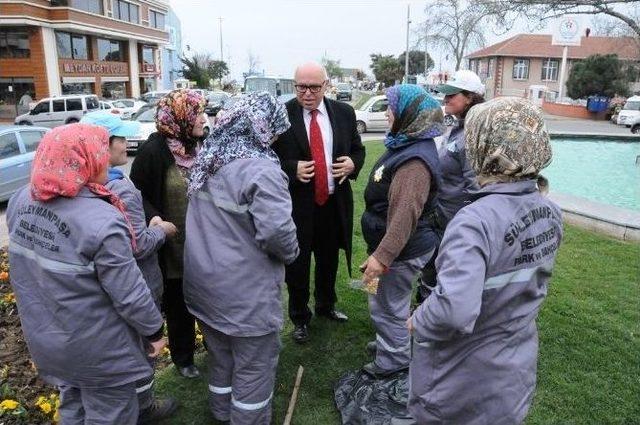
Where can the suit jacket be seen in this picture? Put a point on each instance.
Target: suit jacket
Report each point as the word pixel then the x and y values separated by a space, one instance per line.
pixel 293 146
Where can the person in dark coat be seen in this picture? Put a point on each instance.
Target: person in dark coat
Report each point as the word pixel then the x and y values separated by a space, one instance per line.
pixel 161 173
pixel 320 153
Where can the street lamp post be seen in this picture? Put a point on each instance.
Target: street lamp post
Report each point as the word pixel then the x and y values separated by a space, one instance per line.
pixel 406 52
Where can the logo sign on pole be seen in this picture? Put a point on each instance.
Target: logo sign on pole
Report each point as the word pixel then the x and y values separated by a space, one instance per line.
pixel 567 31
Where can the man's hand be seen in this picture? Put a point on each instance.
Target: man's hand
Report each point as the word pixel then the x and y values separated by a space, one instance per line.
pixel 155 221
pixel 168 228
pixel 305 171
pixel 156 347
pixel 410 325
pixel 342 168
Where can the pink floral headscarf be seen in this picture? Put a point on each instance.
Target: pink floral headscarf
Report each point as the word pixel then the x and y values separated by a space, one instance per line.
pixel 67 158
pixel 176 116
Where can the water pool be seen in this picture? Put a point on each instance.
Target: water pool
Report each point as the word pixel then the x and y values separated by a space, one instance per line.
pixel 603 171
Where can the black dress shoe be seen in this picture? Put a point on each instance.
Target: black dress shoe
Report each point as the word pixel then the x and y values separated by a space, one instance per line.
pixel 190 371
pixel 301 334
pixel 336 315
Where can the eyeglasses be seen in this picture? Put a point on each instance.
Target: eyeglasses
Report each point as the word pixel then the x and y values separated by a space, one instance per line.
pixel 302 88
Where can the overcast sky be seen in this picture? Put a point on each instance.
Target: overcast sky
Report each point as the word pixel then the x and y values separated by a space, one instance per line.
pixel 284 33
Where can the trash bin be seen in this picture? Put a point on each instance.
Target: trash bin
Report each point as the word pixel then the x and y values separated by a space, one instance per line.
pixel 597 103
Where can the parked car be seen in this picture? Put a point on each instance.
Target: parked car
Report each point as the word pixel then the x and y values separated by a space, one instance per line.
pixel 54 111
pixel 343 91
pixel 630 111
pixel 449 119
pixel 127 107
pixel 635 126
pixel 371 115
pixel 227 104
pixel 154 96
pixel 17 149
pixel 214 102
pixel 147 118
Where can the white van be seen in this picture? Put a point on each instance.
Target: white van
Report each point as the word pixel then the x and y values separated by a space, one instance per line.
pixel 54 111
pixel 630 111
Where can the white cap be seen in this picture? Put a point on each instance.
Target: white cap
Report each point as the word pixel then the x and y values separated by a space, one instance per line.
pixel 462 80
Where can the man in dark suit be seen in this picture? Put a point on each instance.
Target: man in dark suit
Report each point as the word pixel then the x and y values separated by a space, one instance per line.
pixel 320 153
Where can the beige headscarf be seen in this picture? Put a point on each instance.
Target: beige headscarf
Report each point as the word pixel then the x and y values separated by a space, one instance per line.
pixel 506 141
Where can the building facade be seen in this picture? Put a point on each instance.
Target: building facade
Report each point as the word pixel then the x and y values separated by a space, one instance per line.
pixel 111 48
pixel 511 67
pixel 171 53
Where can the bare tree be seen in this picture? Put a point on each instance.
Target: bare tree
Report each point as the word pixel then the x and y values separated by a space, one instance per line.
pixel 608 26
pixel 455 26
pixel 253 62
pixel 504 10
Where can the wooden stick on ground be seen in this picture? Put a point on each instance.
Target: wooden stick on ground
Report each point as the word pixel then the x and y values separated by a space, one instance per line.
pixel 294 397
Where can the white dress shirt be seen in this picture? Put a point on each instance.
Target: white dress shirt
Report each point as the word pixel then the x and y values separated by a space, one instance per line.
pixel 327 138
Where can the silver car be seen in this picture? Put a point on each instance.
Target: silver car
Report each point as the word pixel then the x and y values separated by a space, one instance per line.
pixel 54 111
pixel 17 148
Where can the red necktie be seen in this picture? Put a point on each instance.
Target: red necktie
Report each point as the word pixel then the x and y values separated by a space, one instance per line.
pixel 321 183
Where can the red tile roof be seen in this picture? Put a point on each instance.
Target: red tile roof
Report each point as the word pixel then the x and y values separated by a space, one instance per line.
pixel 539 45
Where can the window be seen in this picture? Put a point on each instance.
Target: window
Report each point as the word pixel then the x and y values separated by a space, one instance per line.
pixel 78 88
pixel 491 66
pixel 93 6
pixel 41 107
pixel 14 43
pixel 72 46
pixel 380 106
pixel 147 55
pixel 92 102
pixel 126 11
pixel 156 19
pixel 549 70
pixel 31 139
pixel 521 69
pixel 110 50
pixel 9 146
pixel 74 104
pixel 58 105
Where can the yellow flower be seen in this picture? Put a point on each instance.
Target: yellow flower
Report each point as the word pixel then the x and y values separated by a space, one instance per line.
pixel 165 351
pixel 199 337
pixel 45 407
pixel 9 404
pixel 9 298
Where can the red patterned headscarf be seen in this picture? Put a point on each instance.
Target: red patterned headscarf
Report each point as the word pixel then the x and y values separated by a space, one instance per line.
pixel 67 158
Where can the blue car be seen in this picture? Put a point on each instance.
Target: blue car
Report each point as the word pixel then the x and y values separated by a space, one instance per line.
pixel 17 147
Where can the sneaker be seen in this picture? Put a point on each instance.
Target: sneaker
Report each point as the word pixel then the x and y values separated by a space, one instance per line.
pixel 301 334
pixel 160 409
pixel 372 347
pixel 377 372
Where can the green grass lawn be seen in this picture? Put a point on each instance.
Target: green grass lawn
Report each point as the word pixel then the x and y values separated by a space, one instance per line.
pixel 589 363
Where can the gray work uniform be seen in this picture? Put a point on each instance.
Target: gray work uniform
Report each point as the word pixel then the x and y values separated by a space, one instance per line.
pixel 82 300
pixel 239 236
pixel 458 178
pixel 475 337
pixel 148 241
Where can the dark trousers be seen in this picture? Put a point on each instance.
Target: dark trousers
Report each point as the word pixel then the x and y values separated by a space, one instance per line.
pixel 181 325
pixel 324 244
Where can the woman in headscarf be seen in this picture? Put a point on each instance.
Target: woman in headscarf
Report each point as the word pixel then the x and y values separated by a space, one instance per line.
pixel 161 171
pixel 475 337
pixel 148 240
pixel 83 303
pixel 397 225
pixel 463 91
pixel 240 235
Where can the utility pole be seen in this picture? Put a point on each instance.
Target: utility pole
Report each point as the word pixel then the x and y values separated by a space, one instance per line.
pixel 221 55
pixel 426 54
pixel 406 53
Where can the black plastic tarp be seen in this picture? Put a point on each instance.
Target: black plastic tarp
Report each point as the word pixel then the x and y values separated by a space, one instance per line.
pixel 363 399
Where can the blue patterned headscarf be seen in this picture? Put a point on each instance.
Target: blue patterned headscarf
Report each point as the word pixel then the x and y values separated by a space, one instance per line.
pixel 417 115
pixel 245 131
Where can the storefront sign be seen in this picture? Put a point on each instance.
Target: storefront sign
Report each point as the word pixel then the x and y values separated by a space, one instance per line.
pixel 102 68
pixel 148 67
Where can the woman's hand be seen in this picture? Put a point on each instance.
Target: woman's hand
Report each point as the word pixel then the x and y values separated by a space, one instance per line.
pixel 372 268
